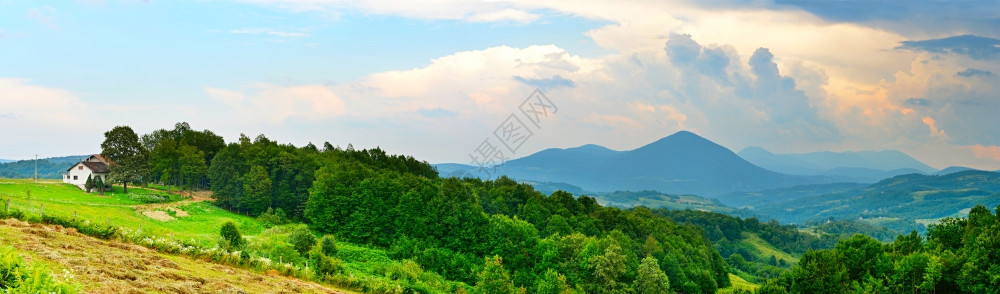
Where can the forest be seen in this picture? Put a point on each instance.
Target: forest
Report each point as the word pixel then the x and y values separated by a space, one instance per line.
pixel 505 237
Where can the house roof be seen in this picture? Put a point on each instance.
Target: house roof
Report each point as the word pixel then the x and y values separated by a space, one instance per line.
pixel 94 166
pixel 97 167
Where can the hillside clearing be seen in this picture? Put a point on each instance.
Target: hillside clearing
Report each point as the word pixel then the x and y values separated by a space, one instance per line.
pixel 99 266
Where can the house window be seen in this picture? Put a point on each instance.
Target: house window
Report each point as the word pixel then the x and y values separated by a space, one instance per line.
pixel 74 178
pixel 80 168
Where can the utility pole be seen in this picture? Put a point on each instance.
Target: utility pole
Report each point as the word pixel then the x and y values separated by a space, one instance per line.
pixel 36 168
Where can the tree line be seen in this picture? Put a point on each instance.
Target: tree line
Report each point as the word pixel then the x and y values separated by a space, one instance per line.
pixel 499 234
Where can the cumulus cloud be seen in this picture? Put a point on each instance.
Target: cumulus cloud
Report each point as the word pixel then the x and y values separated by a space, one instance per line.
pixel 986 152
pixel 545 83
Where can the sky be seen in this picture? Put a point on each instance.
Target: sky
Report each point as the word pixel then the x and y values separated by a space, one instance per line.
pixel 441 79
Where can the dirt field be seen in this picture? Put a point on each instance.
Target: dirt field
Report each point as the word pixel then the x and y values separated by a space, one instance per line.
pixel 99 266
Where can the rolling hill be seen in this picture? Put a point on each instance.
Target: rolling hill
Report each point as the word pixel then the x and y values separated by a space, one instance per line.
pixel 682 163
pixel 48 168
pixel 907 199
pixel 852 166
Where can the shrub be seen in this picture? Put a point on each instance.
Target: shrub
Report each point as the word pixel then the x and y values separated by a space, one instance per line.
pixel 328 245
pixel 231 238
pixel 273 217
pixel 302 240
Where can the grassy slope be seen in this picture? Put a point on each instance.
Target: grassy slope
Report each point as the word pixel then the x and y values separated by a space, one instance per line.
pixel 766 249
pixel 56 198
pixel 100 266
pixel 738 284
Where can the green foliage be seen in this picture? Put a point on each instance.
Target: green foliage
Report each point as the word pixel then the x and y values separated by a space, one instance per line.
pixel 651 279
pixel 553 282
pixel 89 184
pixel 328 245
pixel 273 217
pixel 128 160
pixel 231 237
pixel 819 271
pixel 256 188
pixel 494 278
pixel 302 239
pixel 18 277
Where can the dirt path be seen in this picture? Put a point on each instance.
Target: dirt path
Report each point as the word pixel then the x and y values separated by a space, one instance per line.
pixel 115 267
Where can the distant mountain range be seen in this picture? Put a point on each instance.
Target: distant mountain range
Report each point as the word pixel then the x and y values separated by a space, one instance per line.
pixel 7 160
pixel 682 163
pixel 853 166
pixel 48 168
pixel 903 200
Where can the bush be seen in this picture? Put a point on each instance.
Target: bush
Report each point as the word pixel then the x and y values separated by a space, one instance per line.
pixel 231 238
pixel 302 239
pixel 328 246
pixel 273 217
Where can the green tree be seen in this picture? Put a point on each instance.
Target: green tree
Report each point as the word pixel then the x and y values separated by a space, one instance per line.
pixel 100 185
pixel 128 160
pixel 821 272
pixel 226 177
pixel 651 279
pixel 328 245
pixel 89 184
pixel 552 282
pixel 257 190
pixel 192 165
pixel 494 279
pixel 231 237
pixel 607 269
pixel 302 239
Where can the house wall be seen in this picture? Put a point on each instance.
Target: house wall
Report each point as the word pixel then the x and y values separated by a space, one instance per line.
pixel 81 175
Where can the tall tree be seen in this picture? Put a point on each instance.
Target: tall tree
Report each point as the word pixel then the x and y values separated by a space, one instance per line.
pixel 257 190
pixel 226 176
pixel 192 165
pixel 651 279
pixel 128 160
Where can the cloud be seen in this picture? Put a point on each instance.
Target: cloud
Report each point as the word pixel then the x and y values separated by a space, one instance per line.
pixel 986 152
pixel 935 132
pixel 30 110
pixel 911 17
pixel 266 103
pixel 972 72
pixel 269 32
pixel 45 16
pixel 976 47
pixel 546 83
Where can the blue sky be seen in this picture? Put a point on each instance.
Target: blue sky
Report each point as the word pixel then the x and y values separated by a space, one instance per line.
pixel 432 79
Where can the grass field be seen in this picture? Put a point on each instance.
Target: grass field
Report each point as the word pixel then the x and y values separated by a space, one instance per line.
pixel 201 224
pixel 738 284
pixel 98 266
pixel 766 249
pixel 176 217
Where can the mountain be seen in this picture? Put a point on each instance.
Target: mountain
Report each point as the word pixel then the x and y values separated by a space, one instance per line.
pixel 953 169
pixel 682 163
pixel 48 168
pixel 901 202
pixel 854 166
pixel 7 160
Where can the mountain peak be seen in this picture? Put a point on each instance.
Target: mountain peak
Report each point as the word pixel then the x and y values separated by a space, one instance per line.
pixel 684 138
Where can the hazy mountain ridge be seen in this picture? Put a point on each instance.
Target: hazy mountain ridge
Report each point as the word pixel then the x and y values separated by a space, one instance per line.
pixel 906 198
pixel 855 166
pixel 682 163
pixel 49 168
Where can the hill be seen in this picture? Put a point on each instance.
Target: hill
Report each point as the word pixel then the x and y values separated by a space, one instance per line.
pixel 953 169
pixel 96 265
pixel 682 163
pixel 48 168
pixel 856 166
pixel 902 202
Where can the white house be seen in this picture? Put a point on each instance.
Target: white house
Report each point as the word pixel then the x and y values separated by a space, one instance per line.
pixel 94 166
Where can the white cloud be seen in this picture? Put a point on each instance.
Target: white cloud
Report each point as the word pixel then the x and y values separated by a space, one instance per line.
pixel 275 104
pixel 45 15
pixel 46 120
